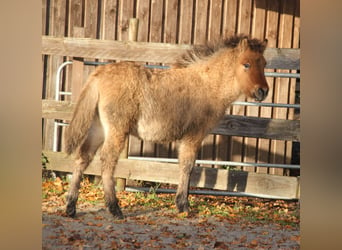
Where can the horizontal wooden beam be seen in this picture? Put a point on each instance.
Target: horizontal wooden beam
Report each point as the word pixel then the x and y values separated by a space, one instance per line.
pixel 219 179
pixel 230 125
pixel 61 110
pixel 147 52
pixel 112 50
pixel 267 128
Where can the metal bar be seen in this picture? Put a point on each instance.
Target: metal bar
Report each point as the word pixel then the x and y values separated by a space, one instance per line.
pixel 265 104
pixel 64 124
pixel 221 163
pixel 55 126
pixel 58 75
pixel 157 66
pixel 93 63
pixel 57 95
pixel 284 75
pixel 65 93
pixel 207 192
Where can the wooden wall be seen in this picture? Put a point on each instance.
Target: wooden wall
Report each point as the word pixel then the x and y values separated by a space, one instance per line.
pixel 182 22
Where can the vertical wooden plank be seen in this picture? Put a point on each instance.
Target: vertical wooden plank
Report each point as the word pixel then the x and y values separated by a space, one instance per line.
pixel 143 13
pixel 90 28
pixel 126 9
pixel 108 19
pixel 245 16
pixel 281 88
pixel 170 27
pixel 293 82
pixel 57 28
pixel 229 28
pixel 272 36
pixel 156 21
pixel 214 19
pixel 289 8
pixel 229 21
pixel 183 36
pixel 155 35
pixel 185 22
pixel 219 143
pixel 243 26
pixel 170 21
pixel 75 29
pixel 201 37
pixel 75 15
pixel 44 15
pixel 201 22
pixel 260 16
pixel 76 79
pixel 272 23
pixel 258 21
pixel 132 36
pixel 90 18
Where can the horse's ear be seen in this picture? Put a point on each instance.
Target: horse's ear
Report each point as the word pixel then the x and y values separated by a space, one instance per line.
pixel 264 43
pixel 244 44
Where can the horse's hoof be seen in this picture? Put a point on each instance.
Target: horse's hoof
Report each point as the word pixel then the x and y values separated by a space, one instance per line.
pixel 182 205
pixel 118 217
pixel 116 211
pixel 71 211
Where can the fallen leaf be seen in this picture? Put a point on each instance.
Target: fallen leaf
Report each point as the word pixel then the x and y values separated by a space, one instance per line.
pixel 220 245
pixel 254 243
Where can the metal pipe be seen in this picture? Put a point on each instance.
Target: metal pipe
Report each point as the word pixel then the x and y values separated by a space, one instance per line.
pixel 207 192
pixel 221 163
pixel 58 73
pixel 57 95
pixel 283 75
pixel 265 104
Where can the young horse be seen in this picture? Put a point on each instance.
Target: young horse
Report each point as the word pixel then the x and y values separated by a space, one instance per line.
pixel 183 103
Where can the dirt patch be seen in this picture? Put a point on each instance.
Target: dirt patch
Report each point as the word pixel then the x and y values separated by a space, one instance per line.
pixel 161 229
pixel 151 221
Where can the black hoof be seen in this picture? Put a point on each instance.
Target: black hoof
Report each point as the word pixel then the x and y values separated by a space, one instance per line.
pixel 182 206
pixel 71 210
pixel 116 211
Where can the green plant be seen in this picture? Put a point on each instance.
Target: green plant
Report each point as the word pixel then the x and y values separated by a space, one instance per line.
pixel 44 160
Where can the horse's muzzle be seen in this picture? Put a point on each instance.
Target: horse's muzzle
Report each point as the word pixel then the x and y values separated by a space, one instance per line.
pixel 260 94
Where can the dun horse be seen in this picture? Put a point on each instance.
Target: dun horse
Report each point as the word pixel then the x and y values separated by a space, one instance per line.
pixel 183 103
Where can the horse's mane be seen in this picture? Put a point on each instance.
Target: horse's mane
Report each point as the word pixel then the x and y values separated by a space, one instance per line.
pixel 199 52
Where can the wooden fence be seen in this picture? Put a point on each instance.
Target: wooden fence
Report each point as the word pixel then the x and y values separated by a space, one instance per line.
pixel 231 125
pixel 98 31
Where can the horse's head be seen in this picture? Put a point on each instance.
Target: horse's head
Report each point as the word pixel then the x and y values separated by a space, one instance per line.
pixel 250 69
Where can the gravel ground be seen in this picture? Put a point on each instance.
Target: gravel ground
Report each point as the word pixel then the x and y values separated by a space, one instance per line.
pixel 94 228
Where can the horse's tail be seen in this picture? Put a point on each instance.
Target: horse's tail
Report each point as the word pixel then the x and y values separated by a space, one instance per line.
pixel 85 110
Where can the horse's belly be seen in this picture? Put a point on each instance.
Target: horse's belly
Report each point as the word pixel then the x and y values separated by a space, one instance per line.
pixel 158 131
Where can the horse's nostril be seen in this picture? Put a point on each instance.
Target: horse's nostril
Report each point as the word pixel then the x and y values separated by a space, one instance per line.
pixel 261 94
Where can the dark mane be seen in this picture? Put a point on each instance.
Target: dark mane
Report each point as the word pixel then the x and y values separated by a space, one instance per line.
pixel 200 52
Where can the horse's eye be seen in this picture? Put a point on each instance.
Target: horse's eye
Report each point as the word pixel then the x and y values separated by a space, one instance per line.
pixel 246 65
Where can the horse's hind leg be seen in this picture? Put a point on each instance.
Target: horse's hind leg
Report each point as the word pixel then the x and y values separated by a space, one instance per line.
pixel 84 156
pixel 111 149
pixel 187 155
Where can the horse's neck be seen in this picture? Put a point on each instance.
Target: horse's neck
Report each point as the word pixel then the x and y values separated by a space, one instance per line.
pixel 218 73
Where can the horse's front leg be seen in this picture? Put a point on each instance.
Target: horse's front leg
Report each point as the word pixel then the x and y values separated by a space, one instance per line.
pixel 186 154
